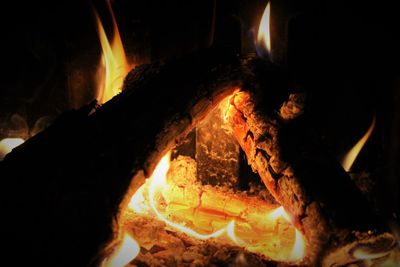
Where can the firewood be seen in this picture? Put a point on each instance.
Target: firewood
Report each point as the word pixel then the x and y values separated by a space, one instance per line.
pixel 259 225
pixel 281 147
pixel 62 189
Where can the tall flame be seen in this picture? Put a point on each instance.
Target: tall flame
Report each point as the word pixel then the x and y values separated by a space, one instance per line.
pixel 114 65
pixel 264 36
pixel 125 253
pixel 352 154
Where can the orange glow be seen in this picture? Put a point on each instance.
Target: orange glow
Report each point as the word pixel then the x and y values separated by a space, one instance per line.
pixel 114 65
pixel 8 144
pixel 352 154
pixel 156 183
pixel 280 212
pixel 204 214
pixel 264 36
pixel 125 253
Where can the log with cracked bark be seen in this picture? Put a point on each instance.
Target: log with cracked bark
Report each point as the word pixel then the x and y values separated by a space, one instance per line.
pixel 66 184
pixel 330 211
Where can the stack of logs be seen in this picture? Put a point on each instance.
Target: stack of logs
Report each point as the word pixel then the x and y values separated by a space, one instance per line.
pixel 76 173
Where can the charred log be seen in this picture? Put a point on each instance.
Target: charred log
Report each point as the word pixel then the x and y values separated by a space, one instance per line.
pixel 282 148
pixel 62 188
pixel 75 174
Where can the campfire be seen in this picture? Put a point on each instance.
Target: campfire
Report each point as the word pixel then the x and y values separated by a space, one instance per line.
pixel 231 173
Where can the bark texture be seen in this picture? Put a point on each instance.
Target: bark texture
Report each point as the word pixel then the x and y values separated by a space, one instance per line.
pixel 66 184
pixel 328 208
pixel 61 189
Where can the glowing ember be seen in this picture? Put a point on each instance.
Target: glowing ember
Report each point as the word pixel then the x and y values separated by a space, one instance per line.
pixel 264 37
pixel 157 182
pixel 114 65
pixel 351 156
pixel 280 212
pixel 204 212
pixel 7 144
pixel 125 253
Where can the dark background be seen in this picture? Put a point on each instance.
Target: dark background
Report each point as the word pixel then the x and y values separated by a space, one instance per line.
pixel 345 53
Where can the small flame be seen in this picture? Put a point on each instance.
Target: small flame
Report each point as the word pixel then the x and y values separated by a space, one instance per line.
pixel 137 202
pixel 114 65
pixel 149 199
pixel 230 229
pixel 280 212
pixel 158 181
pixel 8 144
pixel 363 254
pixel 264 37
pixel 352 154
pixel 298 251
pixel 125 253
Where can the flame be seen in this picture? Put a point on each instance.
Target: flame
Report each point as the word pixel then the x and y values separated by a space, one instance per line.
pixel 173 195
pixel 363 254
pixel 125 253
pixel 264 37
pixel 280 212
pixel 352 154
pixel 298 251
pixel 114 65
pixel 8 144
pixel 150 197
pixel 157 182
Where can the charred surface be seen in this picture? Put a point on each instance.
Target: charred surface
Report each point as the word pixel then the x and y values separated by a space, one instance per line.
pixel 66 184
pixel 62 188
pixel 281 146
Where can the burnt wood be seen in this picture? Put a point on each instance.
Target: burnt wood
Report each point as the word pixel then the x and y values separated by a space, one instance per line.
pixel 282 147
pixel 61 189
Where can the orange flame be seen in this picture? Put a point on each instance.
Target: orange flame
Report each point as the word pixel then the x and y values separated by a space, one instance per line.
pixel 264 36
pixel 148 197
pixel 352 154
pixel 298 250
pixel 8 144
pixel 125 253
pixel 114 65
pixel 156 182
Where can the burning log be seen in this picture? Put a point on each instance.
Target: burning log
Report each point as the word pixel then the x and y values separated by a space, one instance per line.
pixel 332 214
pixel 206 213
pixel 76 173
pixel 67 182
